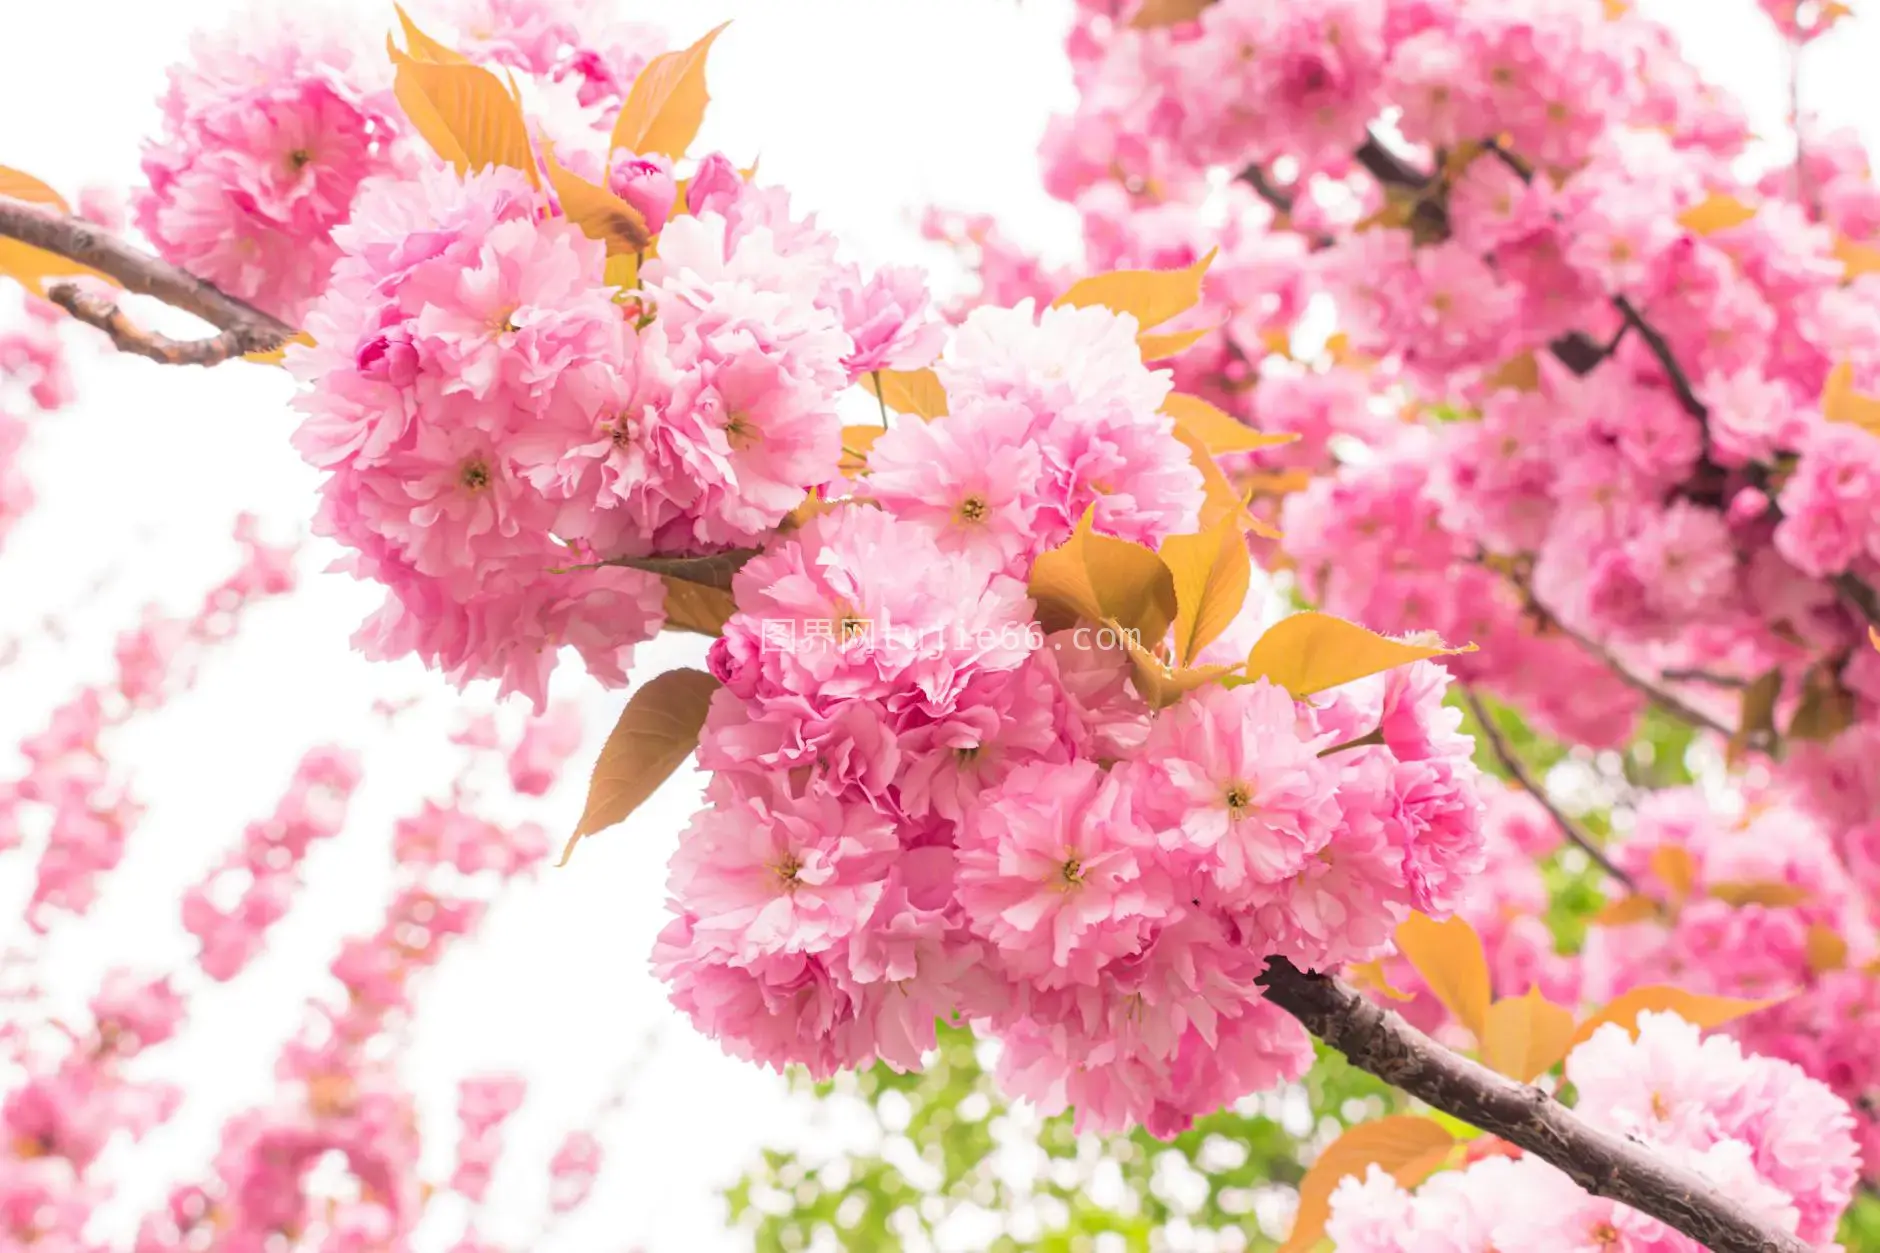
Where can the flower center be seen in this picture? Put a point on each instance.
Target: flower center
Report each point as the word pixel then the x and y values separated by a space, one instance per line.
pixel 973 509
pixel 503 323
pixel 1605 1235
pixel 787 870
pixel 1239 798
pixel 1072 871
pixel 740 431
pixel 299 158
pixel 968 755
pixel 475 475
pixel 620 430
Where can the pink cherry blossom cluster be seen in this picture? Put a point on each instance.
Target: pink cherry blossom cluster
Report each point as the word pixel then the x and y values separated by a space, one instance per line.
pixel 269 131
pixel 925 806
pixel 232 908
pixel 1777 1141
pixel 484 1104
pixel 34 379
pixel 495 418
pixel 69 796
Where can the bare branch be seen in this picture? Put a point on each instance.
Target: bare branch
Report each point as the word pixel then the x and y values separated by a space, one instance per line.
pixel 245 328
pixel 107 317
pixel 1518 770
pixel 1379 1041
pixel 1667 361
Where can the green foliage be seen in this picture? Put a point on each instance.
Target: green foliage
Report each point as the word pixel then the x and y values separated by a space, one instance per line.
pixel 1860 1226
pixel 1049 1190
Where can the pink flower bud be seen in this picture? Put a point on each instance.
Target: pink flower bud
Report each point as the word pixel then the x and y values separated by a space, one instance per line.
pixel 647 184
pixel 389 358
pixel 715 185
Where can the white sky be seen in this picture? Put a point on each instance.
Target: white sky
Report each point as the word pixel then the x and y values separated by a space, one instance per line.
pixel 866 109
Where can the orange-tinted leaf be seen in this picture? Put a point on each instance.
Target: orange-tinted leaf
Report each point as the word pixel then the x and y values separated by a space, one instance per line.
pixel 1162 347
pixel 1219 499
pixel 1773 895
pixel 695 608
pixel 421 47
pixel 713 570
pixel 1167 12
pixel 1212 573
pixel 1309 652
pixel 1217 431
pixel 1277 483
pixel 465 113
pixel 1673 867
pixel 1524 1036
pixel 856 441
pixel 1701 1011
pixel 1449 956
pixel 1152 297
pixel 598 212
pixel 1097 578
pixel 1159 684
pixel 908 391
pixel 1369 976
pixel 666 105
pixel 1857 259
pixel 1826 950
pixel 1521 374
pixel 658 729
pixel 1715 213
pixel 1407 1146
pixel 1627 910
pixel 623 271
pixel 1841 403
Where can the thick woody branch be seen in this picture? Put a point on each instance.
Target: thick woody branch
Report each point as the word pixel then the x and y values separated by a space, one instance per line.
pixel 1377 1040
pixel 1519 772
pixel 244 328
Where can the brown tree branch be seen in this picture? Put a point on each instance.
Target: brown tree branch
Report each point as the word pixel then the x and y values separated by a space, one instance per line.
pixel 1518 770
pixel 107 317
pixel 244 328
pixel 1379 1041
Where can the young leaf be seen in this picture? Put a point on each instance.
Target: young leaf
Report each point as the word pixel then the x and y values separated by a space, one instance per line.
pixel 1159 684
pixel 1408 1146
pixel 27 265
pixel 856 441
pixel 1369 976
pixel 1857 259
pixel 1167 12
pixel 1098 578
pixel 1673 866
pixel 1700 1011
pixel 1627 910
pixel 667 103
pixel 1825 949
pixel 1841 403
pixel 695 608
pixel 422 47
pixel 657 730
pixel 1449 956
pixel 908 391
pixel 623 271
pixel 1827 707
pixel 599 213
pixel 1152 297
pixel 465 113
pixel 1212 573
pixel 1771 895
pixel 1162 347
pixel 712 570
pixel 1310 652
pixel 1756 718
pixel 1873 637
pixel 1525 1036
pixel 1218 432
pixel 1219 500
pixel 1715 213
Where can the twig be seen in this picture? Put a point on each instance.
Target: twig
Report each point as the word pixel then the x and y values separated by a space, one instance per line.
pixel 1638 683
pixel 107 317
pixel 1667 360
pixel 245 328
pixel 1379 1041
pixel 1512 763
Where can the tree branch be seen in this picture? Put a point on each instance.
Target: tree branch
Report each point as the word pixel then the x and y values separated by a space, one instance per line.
pixel 1512 763
pixel 1379 1041
pixel 244 328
